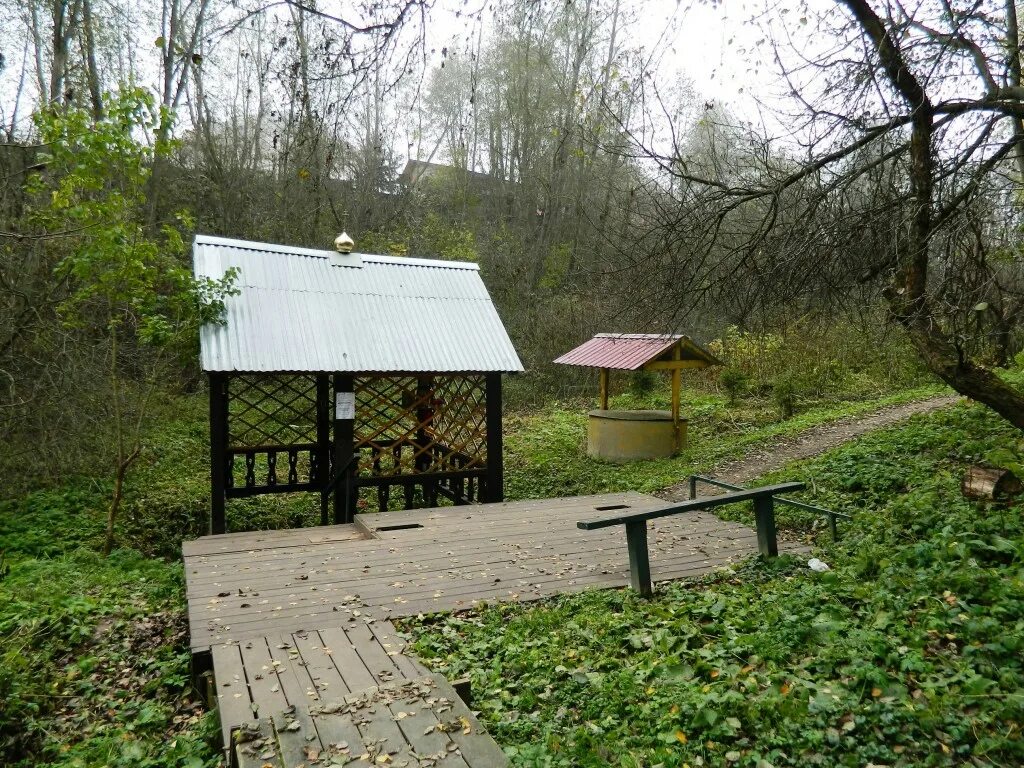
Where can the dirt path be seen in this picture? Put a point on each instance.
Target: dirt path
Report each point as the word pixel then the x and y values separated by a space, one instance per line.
pixel 773 456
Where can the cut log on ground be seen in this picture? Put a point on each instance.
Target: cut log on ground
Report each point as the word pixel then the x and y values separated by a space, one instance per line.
pixel 989 484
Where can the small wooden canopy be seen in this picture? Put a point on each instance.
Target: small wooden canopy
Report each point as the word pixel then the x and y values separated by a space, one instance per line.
pixel 640 351
pixel 635 351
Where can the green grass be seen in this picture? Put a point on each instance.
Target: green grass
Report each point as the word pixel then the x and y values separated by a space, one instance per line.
pixel 909 652
pixel 94 661
pixel 545 452
pixel 93 653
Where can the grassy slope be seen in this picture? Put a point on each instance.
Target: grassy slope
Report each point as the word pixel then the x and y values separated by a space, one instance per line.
pixel 94 661
pixel 545 453
pixel 94 658
pixel 909 652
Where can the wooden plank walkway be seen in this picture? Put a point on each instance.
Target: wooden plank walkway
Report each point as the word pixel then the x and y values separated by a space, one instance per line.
pixel 420 722
pixel 292 671
pixel 406 563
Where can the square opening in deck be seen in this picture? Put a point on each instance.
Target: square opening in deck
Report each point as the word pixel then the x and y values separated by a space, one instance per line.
pixel 610 507
pixel 398 527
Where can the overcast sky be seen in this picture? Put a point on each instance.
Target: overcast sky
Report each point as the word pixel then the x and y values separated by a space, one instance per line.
pixel 719 45
pixel 714 44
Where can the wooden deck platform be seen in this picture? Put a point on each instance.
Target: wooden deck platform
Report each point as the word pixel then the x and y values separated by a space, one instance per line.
pixel 299 620
pixel 395 564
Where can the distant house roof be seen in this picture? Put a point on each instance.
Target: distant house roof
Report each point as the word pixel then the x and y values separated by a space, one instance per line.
pixel 416 170
pixel 307 310
pixel 631 351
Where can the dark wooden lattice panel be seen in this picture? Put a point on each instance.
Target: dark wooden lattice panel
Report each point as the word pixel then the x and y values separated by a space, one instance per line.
pixel 390 418
pixel 420 425
pixel 459 421
pixel 271 410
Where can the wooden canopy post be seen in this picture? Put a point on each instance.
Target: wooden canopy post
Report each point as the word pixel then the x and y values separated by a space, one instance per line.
pixel 322 474
pixel 676 387
pixel 344 448
pixel 218 450
pixel 604 389
pixel 495 465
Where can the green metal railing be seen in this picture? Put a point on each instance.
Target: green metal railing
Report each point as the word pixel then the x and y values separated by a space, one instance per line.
pixel 829 514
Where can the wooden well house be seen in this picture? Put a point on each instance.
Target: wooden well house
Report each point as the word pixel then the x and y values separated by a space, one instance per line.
pixel 619 435
pixel 335 372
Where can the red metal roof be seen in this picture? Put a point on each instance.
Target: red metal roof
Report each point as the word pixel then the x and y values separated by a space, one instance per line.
pixel 630 351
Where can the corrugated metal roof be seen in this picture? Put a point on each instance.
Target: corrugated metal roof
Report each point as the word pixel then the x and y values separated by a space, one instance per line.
pixel 631 351
pixel 320 311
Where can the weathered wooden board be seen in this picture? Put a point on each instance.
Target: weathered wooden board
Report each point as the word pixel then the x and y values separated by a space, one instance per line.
pixel 234 701
pixel 246 541
pixel 257 677
pixel 459 557
pixel 419 723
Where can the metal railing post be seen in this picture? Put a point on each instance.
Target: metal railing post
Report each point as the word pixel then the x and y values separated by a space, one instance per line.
pixel 764 518
pixel 639 559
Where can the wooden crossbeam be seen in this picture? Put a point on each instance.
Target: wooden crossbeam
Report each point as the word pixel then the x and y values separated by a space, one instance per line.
pixel 675 365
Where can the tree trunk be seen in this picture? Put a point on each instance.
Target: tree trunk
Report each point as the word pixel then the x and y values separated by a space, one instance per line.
pixel 93 73
pixel 42 82
pixel 967 377
pixel 908 297
pixel 120 471
pixel 65 27
pixel 1013 68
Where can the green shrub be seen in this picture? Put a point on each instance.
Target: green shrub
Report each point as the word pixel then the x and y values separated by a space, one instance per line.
pixel 784 394
pixel 828 358
pixel 642 382
pixel 734 381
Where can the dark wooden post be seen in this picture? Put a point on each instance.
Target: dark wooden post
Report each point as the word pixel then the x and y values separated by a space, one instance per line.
pixel 344 445
pixel 639 559
pixel 323 441
pixel 425 459
pixel 495 461
pixel 218 450
pixel 463 687
pixel 764 517
pixel 693 486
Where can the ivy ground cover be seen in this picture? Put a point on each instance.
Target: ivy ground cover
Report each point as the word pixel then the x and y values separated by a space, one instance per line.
pixel 909 652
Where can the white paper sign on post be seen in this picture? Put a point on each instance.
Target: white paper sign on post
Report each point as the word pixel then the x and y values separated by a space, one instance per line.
pixel 344 406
